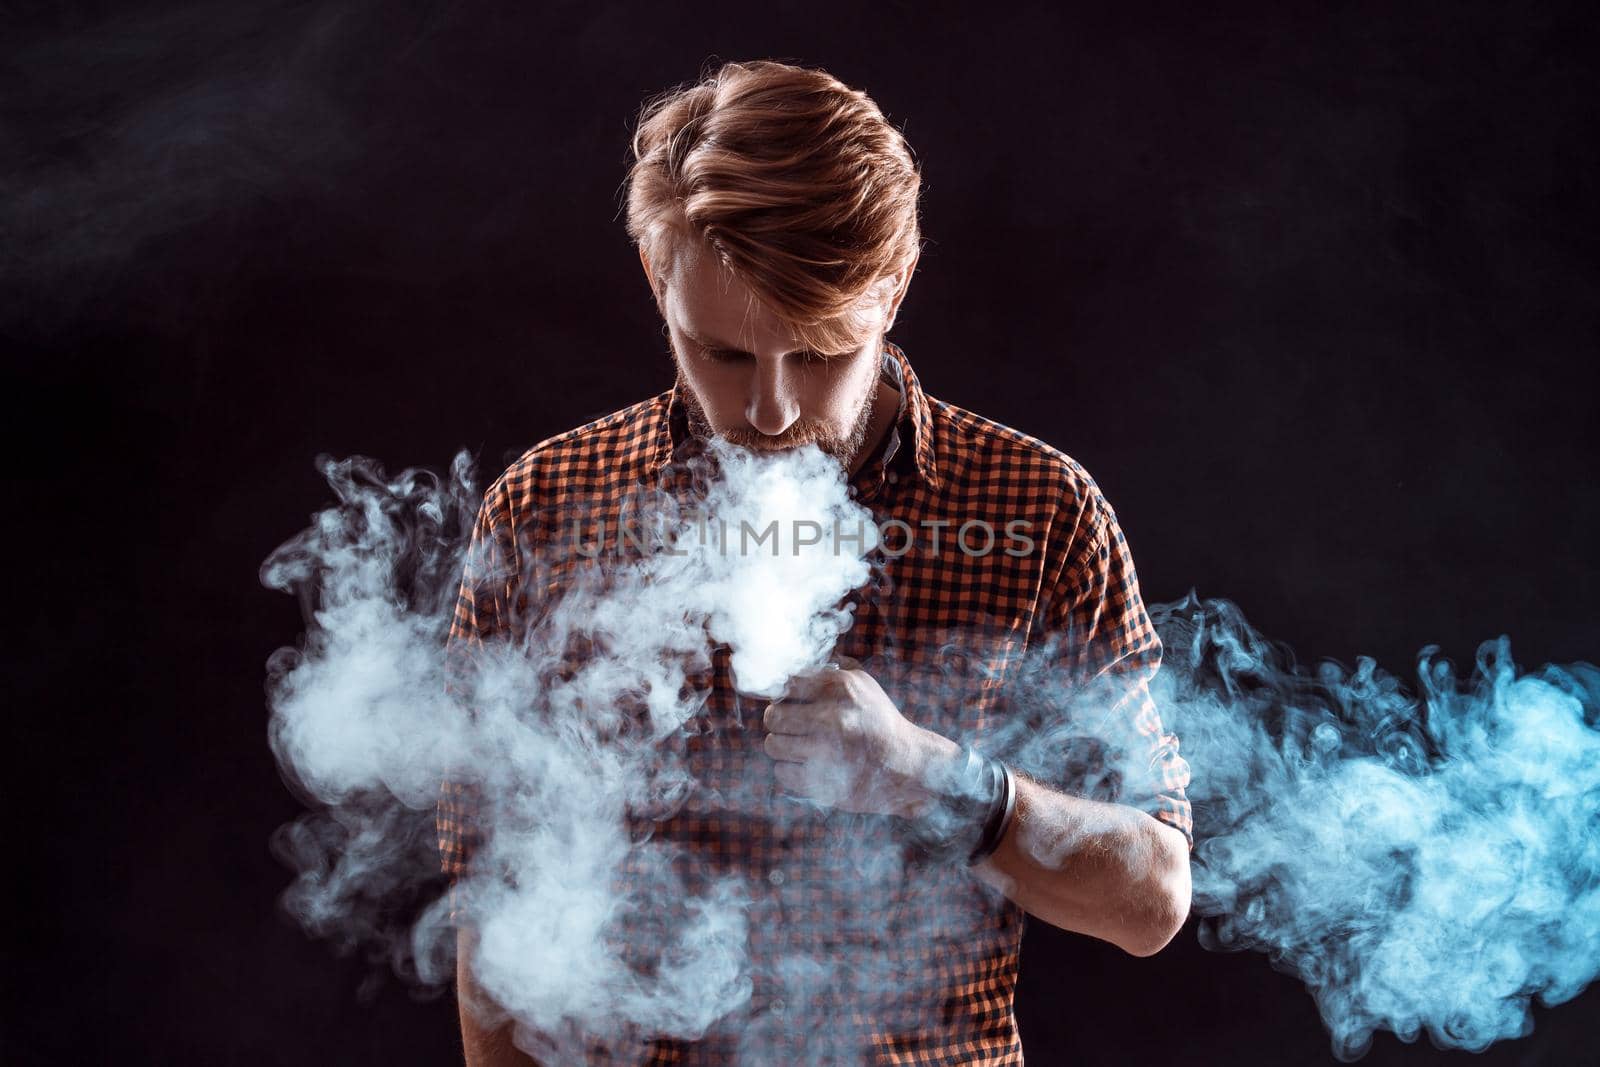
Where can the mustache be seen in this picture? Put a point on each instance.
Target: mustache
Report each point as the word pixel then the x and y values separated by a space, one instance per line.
pixel 793 437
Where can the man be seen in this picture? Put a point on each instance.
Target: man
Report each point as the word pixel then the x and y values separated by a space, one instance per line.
pixel 775 211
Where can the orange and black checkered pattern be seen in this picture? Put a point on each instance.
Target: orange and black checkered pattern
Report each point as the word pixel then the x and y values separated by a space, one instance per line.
pixel 919 964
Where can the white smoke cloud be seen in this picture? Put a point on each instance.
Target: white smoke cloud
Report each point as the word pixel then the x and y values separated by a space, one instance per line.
pixel 362 723
pixel 1423 864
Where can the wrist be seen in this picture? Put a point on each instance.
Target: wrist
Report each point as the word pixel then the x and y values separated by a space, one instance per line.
pixel 941 764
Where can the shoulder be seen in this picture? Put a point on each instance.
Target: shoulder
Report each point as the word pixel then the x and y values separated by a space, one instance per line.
pixel 611 450
pixel 980 457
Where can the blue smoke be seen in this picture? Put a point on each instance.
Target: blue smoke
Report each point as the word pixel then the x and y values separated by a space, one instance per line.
pixel 1424 862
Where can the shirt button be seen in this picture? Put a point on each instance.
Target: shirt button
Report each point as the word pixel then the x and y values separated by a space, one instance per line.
pixel 775 876
pixel 778 1006
pixel 893 478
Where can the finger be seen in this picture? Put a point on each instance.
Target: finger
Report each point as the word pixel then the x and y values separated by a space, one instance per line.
pixel 807 687
pixel 781 717
pixel 848 663
pixel 799 693
pixel 792 748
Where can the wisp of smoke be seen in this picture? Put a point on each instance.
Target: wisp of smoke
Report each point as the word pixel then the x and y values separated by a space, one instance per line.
pixel 1423 863
pixel 140 125
pixel 366 724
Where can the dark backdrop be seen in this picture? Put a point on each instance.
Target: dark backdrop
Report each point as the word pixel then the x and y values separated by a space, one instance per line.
pixel 1312 294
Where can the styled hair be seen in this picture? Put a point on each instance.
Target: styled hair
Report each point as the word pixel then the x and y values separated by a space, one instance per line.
pixel 793 180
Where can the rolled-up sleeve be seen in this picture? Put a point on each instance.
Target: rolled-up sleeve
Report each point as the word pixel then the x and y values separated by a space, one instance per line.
pixel 1110 650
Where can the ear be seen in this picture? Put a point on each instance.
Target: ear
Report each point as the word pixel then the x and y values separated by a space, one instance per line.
pixel 650 277
pixel 901 285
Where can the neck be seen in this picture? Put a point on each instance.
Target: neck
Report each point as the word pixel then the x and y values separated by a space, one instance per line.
pixel 884 409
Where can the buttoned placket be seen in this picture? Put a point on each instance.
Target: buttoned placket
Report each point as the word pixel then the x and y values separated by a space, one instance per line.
pixel 783 892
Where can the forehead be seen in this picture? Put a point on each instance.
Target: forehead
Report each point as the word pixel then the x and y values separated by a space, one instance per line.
pixel 707 302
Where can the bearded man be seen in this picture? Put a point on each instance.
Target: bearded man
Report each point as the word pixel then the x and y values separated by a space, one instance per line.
pixel 775 211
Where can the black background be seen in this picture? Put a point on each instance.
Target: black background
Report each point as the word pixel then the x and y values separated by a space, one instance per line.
pixel 1312 293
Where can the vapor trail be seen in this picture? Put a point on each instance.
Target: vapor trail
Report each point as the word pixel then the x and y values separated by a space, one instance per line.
pixel 1424 862
pixel 367 721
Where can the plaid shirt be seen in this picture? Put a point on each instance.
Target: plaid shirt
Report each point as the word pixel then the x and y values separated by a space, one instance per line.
pixel 897 963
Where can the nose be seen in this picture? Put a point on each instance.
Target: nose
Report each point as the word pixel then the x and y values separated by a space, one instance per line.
pixel 772 406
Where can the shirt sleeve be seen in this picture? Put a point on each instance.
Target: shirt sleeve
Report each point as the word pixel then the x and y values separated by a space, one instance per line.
pixel 481 615
pixel 1110 652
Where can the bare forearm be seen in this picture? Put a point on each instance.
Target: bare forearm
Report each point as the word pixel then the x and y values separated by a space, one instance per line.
pixel 1106 870
pixel 484 1044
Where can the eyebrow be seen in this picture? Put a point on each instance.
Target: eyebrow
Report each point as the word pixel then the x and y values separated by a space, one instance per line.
pixel 718 346
pixel 705 342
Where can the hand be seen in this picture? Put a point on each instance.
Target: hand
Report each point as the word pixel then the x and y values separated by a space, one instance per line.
pixel 839 740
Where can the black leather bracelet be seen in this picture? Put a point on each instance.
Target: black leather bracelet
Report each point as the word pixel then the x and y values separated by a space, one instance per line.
pixel 1001 814
pixel 975 805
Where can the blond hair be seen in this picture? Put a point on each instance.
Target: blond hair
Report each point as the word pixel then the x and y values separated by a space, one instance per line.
pixel 795 181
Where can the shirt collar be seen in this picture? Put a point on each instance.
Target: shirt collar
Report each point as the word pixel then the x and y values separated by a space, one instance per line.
pixel 913 424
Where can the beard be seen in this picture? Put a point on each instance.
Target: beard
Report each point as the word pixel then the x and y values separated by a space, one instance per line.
pixel 844 447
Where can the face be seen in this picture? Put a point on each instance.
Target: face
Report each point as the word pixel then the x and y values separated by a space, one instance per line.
pixel 745 377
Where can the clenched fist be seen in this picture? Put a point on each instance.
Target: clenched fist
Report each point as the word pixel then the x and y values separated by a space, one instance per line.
pixel 839 740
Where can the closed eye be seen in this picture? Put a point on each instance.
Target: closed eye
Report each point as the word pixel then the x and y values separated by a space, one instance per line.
pixel 725 355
